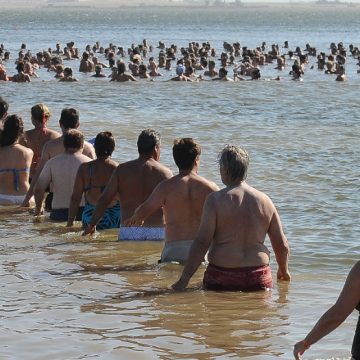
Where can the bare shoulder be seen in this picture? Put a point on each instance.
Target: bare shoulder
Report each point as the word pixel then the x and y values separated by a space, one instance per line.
pixel 53 134
pixel 355 272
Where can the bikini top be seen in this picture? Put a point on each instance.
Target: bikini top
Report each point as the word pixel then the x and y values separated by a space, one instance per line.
pixel 16 175
pixel 90 185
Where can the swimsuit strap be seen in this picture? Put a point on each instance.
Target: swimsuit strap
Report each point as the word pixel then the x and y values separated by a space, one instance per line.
pixel 90 185
pixel 16 175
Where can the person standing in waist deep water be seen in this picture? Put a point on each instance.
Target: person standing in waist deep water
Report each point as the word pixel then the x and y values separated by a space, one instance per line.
pixel 60 172
pixel 234 225
pixel 182 199
pixel 348 300
pixel 133 181
pixel 69 119
pixel 91 180
pixel 15 161
pixel 36 138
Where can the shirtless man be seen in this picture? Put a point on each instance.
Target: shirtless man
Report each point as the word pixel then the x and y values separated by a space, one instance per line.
pixel 69 119
pixel 134 181
pixel 21 76
pixel 86 65
pixel 182 198
pixel 234 225
pixel 53 173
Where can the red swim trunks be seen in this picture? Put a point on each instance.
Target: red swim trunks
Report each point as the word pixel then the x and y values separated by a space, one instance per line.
pixel 238 279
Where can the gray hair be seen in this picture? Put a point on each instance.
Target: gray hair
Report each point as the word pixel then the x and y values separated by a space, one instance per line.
pixel 235 161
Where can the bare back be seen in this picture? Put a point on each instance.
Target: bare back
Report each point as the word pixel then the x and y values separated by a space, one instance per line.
pixel 15 163
pixel 136 180
pixel 35 139
pixel 184 197
pixel 243 216
pixel 94 177
pixel 55 147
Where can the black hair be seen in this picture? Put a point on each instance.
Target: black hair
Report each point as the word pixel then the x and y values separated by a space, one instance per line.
pixel 13 128
pixel 104 144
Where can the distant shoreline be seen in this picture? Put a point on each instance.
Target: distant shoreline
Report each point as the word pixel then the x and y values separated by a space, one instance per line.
pixel 109 4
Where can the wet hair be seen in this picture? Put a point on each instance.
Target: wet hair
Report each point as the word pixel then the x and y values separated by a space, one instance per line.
pixel 235 161
pixel 121 67
pixel 40 113
pixel 20 66
pixel 13 128
pixel 73 139
pixel 104 144
pixel 69 118
pixel 185 152
pixel 68 71
pixel 147 141
pixel 4 107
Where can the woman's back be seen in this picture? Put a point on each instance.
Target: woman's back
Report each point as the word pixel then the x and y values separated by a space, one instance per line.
pixel 15 161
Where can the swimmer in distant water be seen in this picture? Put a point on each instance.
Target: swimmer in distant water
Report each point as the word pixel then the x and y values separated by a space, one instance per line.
pixel 341 74
pixel 4 107
pixel 223 75
pixel 182 199
pixel 68 75
pixel 21 76
pixel 86 65
pixel 348 300
pixel 180 74
pixel 98 72
pixel 234 224
pixel 133 181
pixel 121 75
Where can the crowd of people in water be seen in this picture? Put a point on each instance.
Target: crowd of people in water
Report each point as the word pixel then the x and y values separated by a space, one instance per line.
pixel 196 62
pixel 74 180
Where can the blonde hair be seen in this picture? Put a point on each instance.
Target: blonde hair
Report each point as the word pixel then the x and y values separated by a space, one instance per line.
pixel 40 113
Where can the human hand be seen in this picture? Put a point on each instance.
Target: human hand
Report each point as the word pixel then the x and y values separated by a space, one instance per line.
pixel 25 204
pixel 285 276
pixel 180 284
pixel 89 230
pixel 300 348
pixel 132 221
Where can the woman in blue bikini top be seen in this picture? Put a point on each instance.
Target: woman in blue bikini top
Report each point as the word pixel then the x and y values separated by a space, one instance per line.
pixel 15 161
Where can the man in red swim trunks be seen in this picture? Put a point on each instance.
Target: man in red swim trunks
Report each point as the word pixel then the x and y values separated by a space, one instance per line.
pixel 234 225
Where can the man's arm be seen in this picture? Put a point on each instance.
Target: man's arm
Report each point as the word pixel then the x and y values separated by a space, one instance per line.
pixel 76 196
pixel 332 318
pixel 280 246
pixel 89 151
pixel 201 243
pixel 40 187
pixel 103 202
pixel 149 206
pixel 44 158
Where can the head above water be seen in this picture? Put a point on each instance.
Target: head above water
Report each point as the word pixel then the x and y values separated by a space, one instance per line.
pixel 73 140
pixel 185 152
pixel 4 107
pixel 104 144
pixel 235 162
pixel 69 118
pixel 13 128
pixel 40 113
pixel 148 140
